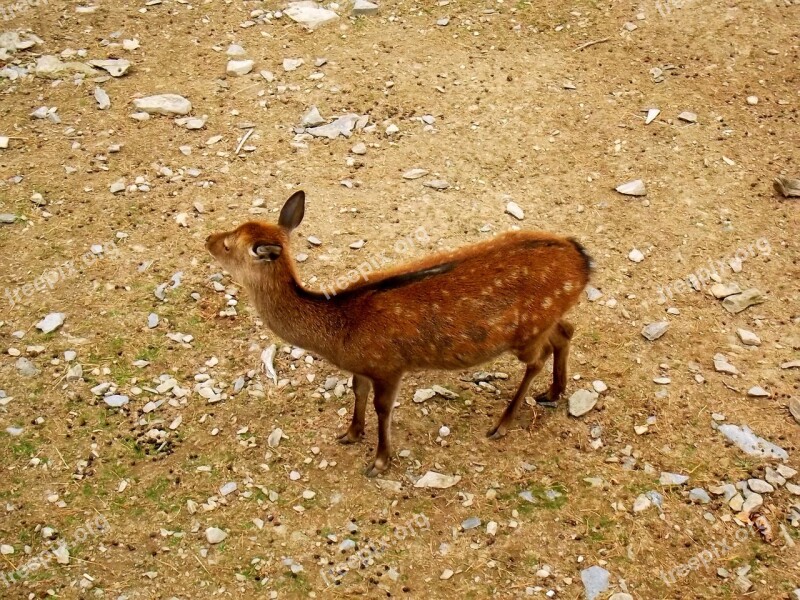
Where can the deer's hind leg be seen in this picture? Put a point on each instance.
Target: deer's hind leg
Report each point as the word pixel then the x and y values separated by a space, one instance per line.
pixel 559 340
pixel 534 356
pixel 361 388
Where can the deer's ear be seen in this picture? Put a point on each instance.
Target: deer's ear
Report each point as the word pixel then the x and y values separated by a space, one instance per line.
pixel 293 211
pixel 266 251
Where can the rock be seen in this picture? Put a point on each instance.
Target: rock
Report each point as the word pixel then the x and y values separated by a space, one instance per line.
pixel 592 293
pixel 423 394
pixel 51 67
pixel 752 502
pixel 736 502
pixel 636 255
pixel 687 116
pixel 235 51
pixel 275 437
pixel 632 188
pixel 391 129
pixel 152 320
pixel 389 485
pixel 760 486
pixel 721 291
pixel 292 64
pixel 8 219
pixel 773 477
pixel 599 386
pixel 786 471
pixel 789 188
pixel 739 302
pixel 757 392
pixel 470 523
pixel 595 581
pixel 309 14
pixel 214 535
pixel 750 443
pixel 727 491
pixel 668 479
pixel 437 184
pixel 621 596
pixel 793 489
pixel 653 331
pixel 414 173
pixel 443 22
pixel 6 549
pixel 748 338
pixel 312 118
pixel 642 503
pixel 794 409
pixel 103 101
pixel 446 574
pixel 699 496
pixel 61 552
pixel 51 322
pixel 752 100
pixel 360 149
pixel 581 402
pixel 363 8
pixel 515 211
pixel 652 113
pixel 721 365
pixel 116 401
pixel 228 488
pixel 444 431
pixel 117 187
pixel 239 67
pixel 432 479
pixel 342 126
pixel 26 368
pixel 116 67
pixel 4 142
pixel 163 104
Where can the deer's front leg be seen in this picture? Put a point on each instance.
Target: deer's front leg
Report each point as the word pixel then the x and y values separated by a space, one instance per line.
pixel 361 387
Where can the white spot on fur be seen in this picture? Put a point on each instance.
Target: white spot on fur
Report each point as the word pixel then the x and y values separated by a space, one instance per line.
pixel 547 302
pixel 568 286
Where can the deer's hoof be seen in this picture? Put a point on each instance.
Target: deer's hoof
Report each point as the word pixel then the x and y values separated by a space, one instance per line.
pixel 376 468
pixel 495 433
pixel 349 437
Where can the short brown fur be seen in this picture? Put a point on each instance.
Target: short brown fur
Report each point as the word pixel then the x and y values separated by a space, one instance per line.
pixel 508 294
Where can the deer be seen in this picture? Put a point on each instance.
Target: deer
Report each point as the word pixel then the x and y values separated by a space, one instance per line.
pixel 451 310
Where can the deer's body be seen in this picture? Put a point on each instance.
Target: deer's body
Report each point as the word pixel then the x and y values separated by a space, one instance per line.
pixel 452 310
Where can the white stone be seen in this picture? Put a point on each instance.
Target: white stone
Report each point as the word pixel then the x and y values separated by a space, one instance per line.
pixel 51 322
pixel 515 210
pixel 214 535
pixel 309 14
pixel 239 67
pixel 163 104
pixel 748 338
pixel 636 255
pixel 632 188
pixel 581 402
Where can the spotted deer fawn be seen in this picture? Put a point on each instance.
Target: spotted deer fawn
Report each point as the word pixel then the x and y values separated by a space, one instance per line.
pixel 452 310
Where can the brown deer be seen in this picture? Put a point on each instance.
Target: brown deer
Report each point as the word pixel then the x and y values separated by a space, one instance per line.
pixel 452 310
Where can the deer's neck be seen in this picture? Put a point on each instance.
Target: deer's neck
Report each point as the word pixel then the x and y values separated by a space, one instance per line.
pixel 300 317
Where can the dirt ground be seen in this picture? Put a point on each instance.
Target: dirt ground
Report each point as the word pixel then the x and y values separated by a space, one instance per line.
pixel 523 110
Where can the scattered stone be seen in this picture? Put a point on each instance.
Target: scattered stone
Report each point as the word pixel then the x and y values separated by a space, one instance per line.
pixel 470 523
pixel 642 503
pixel 687 116
pixel 118 186
pixel 103 101
pixel 26 368
pixel 760 486
pixel 8 219
pixel 636 255
pixel 51 67
pixel 414 173
pixel 437 184
pixel 163 104
pixel 632 188
pixel 669 479
pixel 152 320
pixel 363 8
pixel 515 211
pixel 721 365
pixel 750 443
pixel 228 488
pixel 432 479
pixel 292 64
pixel 720 291
pixel 360 149
pixel 581 402
pixel 789 188
pixel 748 338
pixel 592 293
pixel 423 394
pixel 595 581
pixel 116 67
pixel 752 502
pixel 794 409
pixel 652 113
pixel 446 574
pixel 342 126
pixel 309 14
pixel 312 118
pixel 61 552
pixel 51 322
pixel 653 331
pixel 739 302
pixel 116 401
pixel 752 100
pixel 214 535
pixel 239 67
pixel 275 437
pixel 757 392
pixel 699 496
